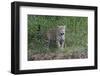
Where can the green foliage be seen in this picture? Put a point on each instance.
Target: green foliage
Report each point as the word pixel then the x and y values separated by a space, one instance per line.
pixel 75 36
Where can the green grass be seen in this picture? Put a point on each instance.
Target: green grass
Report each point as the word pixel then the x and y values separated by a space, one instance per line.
pixel 75 36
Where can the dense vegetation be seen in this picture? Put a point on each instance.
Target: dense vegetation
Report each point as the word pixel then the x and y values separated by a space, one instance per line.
pixel 75 36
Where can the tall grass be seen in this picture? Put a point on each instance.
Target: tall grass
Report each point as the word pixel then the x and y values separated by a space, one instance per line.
pixel 75 36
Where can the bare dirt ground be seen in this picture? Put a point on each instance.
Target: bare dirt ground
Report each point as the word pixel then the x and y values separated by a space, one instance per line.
pixel 57 55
